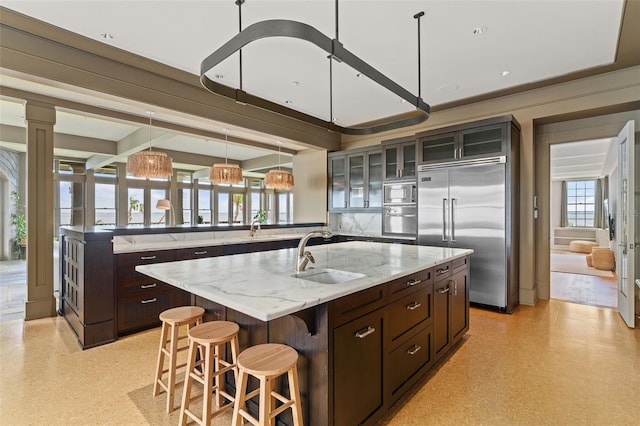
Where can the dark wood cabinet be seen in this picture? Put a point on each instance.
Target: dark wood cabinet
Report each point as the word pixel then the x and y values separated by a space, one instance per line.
pixel 451 307
pixel 358 380
pixel 86 268
pixel 140 298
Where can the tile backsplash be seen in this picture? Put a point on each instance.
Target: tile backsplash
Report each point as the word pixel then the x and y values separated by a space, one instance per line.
pixel 368 224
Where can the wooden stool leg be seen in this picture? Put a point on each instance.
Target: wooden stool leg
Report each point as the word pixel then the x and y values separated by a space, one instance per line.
pixel 188 381
pixel 235 351
pixel 294 393
pixel 241 392
pixel 265 401
pixel 218 400
pixel 164 334
pixel 208 387
pixel 173 355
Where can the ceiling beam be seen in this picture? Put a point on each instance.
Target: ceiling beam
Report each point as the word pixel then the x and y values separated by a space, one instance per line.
pixel 18 135
pixel 266 162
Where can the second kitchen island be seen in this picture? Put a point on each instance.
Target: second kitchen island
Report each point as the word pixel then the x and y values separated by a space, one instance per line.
pixel 362 342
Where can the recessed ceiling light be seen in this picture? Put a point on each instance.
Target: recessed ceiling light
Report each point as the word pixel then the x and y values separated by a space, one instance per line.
pixel 106 36
pixel 295 83
pixel 402 101
pixel 288 102
pixel 480 30
pixel 359 74
pixel 505 73
pixel 219 76
pixel 449 87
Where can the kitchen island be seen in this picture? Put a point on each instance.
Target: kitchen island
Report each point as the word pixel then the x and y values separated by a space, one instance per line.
pixel 362 342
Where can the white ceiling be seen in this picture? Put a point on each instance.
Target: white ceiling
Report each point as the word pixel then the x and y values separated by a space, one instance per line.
pixel 575 160
pixel 532 39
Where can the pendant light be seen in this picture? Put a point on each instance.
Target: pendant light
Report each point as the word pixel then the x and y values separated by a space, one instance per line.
pixel 149 164
pixel 279 179
pixel 225 173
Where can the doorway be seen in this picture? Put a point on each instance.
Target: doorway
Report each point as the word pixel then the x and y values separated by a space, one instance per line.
pixel 581 180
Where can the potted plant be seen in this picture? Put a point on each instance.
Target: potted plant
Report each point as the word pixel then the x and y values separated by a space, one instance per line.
pixel 18 220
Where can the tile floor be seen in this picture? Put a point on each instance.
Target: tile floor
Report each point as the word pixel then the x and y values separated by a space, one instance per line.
pixel 556 363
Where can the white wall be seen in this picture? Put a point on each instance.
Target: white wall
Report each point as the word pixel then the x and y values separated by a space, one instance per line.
pixel 310 186
pixel 555 203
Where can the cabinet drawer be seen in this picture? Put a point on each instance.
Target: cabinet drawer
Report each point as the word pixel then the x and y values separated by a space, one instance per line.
pixel 405 285
pixel 127 262
pixel 146 286
pixel 355 305
pixel 198 252
pixel 406 313
pixel 460 264
pixel 441 272
pixel 140 311
pixel 404 361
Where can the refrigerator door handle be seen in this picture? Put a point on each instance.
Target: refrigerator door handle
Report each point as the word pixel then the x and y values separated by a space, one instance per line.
pixel 444 219
pixel 452 233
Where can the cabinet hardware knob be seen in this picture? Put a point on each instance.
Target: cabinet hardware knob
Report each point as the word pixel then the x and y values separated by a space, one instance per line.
pixel 414 350
pixel 444 290
pixel 413 306
pixel 364 333
pixel 149 285
pixel 200 252
pixel 413 282
pixel 144 302
pixel 147 257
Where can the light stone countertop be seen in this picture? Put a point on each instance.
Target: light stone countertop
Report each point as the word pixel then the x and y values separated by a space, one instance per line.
pixel 264 285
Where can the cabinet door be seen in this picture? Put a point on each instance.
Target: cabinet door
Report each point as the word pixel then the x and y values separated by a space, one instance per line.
pixel 441 317
pixel 338 184
pixel 356 181
pixel 438 148
pixel 374 178
pixel 408 170
pixel 483 141
pixel 459 299
pixel 391 166
pixel 357 374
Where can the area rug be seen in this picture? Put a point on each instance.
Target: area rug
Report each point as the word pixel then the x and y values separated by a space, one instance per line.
pixel 575 263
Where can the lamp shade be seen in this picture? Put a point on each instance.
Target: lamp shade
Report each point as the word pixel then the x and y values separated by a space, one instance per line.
pixel 149 164
pixel 278 179
pixel 221 173
pixel 163 204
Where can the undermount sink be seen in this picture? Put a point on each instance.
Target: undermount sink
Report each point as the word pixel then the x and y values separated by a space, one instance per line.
pixel 328 276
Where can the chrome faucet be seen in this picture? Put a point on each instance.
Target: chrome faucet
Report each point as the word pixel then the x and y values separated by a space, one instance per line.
pixel 305 256
pixel 254 229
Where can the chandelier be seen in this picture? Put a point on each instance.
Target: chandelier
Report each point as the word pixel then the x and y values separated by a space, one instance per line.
pixel 149 164
pixel 279 179
pixel 226 173
pixel 336 51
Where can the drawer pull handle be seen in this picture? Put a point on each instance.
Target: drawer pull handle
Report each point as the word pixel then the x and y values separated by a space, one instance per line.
pixel 144 302
pixel 200 252
pixel 444 290
pixel 414 350
pixel 147 257
pixel 441 271
pixel 364 333
pixel 413 282
pixel 414 305
pixel 149 285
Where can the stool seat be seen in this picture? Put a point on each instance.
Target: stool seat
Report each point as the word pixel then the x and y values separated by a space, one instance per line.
pixel 182 314
pixel 213 332
pixel 269 359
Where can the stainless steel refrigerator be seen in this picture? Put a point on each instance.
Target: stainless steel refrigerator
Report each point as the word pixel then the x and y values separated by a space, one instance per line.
pixel 469 205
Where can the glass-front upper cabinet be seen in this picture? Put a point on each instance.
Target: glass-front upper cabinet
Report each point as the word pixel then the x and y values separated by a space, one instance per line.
pixel 399 159
pixel 355 180
pixel 480 142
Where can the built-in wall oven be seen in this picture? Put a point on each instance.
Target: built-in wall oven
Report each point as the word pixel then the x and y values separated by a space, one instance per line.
pixel 399 211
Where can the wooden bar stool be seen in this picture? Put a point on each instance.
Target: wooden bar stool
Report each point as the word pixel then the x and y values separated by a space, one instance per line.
pixel 211 337
pixel 172 320
pixel 267 362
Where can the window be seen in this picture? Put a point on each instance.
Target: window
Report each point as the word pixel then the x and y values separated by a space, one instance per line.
pixel 223 208
pixel 105 203
pixel 71 204
pixel 136 206
pixel 158 215
pixel 581 203
pixel 285 207
pixel 204 206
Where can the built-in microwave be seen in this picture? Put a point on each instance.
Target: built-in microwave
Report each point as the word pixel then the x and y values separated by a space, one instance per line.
pixel 400 193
